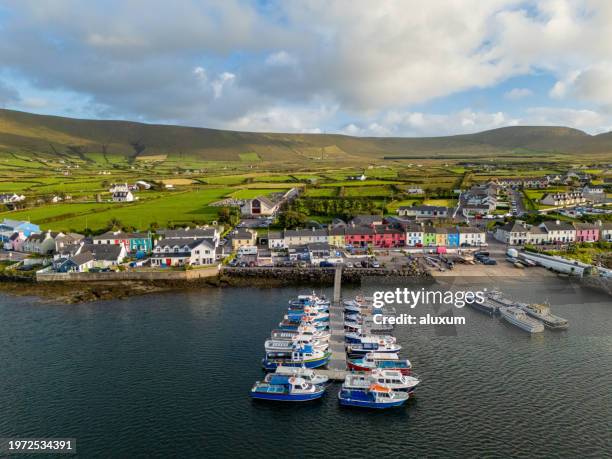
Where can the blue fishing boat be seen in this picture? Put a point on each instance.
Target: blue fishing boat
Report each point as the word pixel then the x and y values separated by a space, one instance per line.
pixel 288 324
pixel 309 300
pixel 375 396
pixel 309 314
pixel 305 356
pixel 283 389
pixel 307 374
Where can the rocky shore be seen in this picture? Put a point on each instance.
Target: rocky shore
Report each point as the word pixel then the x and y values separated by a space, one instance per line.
pixel 83 292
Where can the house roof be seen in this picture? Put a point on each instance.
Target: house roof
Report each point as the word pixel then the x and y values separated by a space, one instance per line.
pixel 468 230
pixel 585 226
pixel 356 230
pixel 242 234
pixel 265 200
pixel 366 219
pixel 275 235
pixel 429 208
pixel 109 252
pixel 82 258
pixel 120 235
pixel 305 232
pixel 514 227
pixel 184 242
pixel 188 232
pixel 552 225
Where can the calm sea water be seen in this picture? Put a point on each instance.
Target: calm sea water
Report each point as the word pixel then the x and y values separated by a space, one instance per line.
pixel 169 375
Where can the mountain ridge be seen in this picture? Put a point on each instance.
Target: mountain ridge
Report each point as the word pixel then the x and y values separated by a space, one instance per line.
pixel 29 133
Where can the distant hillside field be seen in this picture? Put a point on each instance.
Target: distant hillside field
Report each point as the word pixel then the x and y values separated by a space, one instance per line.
pixel 29 135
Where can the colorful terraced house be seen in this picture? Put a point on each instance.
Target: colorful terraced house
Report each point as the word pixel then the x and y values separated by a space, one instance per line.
pixel 136 243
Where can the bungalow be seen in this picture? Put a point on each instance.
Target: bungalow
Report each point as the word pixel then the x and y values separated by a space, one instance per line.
pixel 414 235
pixel 475 210
pixel 41 243
pixel 8 227
pixel 183 252
pixel 536 182
pixel 82 262
pixel 304 236
pixel 513 233
pixel 470 237
pixel 559 231
pixel 241 238
pixel 359 236
pixel 122 193
pixel 423 211
pixel 586 232
pixel 389 236
pixel 318 250
pixel 133 242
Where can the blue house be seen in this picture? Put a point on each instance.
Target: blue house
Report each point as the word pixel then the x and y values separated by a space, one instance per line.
pixel 8 227
pixel 453 237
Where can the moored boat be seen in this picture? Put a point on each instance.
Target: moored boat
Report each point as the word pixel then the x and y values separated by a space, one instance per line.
pixel 393 379
pixel 293 389
pixel 307 374
pixel 356 337
pixel 365 348
pixel 542 312
pixel 305 357
pixel 373 361
pixel 518 318
pixel 486 305
pixel 375 396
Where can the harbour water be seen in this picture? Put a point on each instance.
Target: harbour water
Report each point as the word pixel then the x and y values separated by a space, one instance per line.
pixel 169 375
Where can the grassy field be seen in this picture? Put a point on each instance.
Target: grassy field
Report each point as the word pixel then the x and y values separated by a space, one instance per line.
pixel 250 193
pixel 365 191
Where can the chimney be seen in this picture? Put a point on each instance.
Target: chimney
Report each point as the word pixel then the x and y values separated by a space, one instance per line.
pixel 557 222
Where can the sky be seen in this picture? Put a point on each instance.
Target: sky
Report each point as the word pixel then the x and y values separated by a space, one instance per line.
pixel 357 67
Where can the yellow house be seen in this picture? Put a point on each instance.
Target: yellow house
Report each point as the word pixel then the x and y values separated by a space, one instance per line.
pixel 335 237
pixel 441 237
pixel 242 237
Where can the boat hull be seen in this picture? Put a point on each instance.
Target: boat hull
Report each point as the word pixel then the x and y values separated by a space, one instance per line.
pixel 309 363
pixel 355 366
pixel 348 401
pixel 287 397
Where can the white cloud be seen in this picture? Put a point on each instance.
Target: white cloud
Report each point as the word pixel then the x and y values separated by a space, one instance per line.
pixel 281 58
pixel 224 79
pixel 518 93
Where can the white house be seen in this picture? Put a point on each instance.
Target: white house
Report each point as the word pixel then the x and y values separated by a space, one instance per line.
pixel 414 235
pixel 42 243
pixel 470 237
pixel 606 232
pixel 276 240
pixel 563 199
pixel 8 198
pixel 513 233
pixel 304 236
pixel 559 231
pixel 183 252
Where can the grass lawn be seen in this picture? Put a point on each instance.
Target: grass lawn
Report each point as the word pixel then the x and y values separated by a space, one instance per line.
pixel 394 205
pixel 365 191
pixel 321 192
pixel 440 202
pixel 249 156
pixel 172 208
pixel 358 183
pixel 254 192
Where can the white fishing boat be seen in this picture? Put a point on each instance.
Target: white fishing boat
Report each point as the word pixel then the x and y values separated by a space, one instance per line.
pixel 393 379
pixel 542 312
pixel 517 317
pixel 357 337
pixel 307 374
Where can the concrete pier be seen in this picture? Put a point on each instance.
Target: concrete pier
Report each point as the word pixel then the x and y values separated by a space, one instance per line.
pixel 336 368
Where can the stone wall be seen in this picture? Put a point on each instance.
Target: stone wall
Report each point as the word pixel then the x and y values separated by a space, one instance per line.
pixel 128 275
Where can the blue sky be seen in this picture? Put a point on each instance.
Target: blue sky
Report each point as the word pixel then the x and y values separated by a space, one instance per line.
pixel 385 68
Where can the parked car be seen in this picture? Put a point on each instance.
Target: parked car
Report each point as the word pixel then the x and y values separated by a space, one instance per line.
pixel 349 264
pixel 326 264
pixel 375 264
pixel 489 261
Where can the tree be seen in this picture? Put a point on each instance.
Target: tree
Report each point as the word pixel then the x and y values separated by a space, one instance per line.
pixel 292 219
pixel 229 215
pixel 114 224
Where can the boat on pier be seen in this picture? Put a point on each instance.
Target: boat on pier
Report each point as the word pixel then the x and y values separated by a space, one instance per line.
pixel 356 338
pixel 307 374
pixel 306 357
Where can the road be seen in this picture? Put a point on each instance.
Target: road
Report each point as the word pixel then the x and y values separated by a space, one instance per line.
pixel 520 206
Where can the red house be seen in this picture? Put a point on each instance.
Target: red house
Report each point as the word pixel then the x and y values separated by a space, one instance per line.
pixel 387 236
pixel 359 236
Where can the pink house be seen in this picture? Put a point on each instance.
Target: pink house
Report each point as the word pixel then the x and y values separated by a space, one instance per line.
pixel 15 242
pixel 586 232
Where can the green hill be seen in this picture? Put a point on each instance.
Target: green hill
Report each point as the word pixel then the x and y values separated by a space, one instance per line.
pixel 29 134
